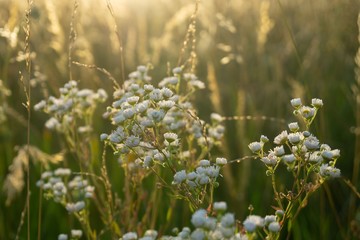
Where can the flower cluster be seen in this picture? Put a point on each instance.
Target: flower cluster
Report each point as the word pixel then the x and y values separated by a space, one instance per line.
pixel 270 224
pixel 299 149
pixel 58 185
pixel 159 126
pixel 207 226
pixel 74 234
pixel 73 106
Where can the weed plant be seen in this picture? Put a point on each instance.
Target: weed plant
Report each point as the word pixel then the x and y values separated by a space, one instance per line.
pixel 97 155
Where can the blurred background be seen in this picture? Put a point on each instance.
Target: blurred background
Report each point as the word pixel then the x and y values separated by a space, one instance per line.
pixel 254 57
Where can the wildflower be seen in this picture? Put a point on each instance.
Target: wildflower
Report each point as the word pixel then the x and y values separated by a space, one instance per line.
pixel 311 143
pixel 294 126
pixel 148 87
pixel 329 171
pixel 132 141
pixel 228 220
pixel 63 237
pixel 52 123
pixel 89 191
pixel 142 68
pixel 177 70
pixel 295 138
pixel 40 105
pixel 252 222
pixel 204 163
pixel 76 233
pixel 166 104
pixel 269 160
pixel 130 236
pixel 167 93
pixel 296 103
pixel 281 138
pixel 316 102
pixel 279 213
pixel 269 218
pixel 198 234
pixel 62 172
pixel 307 112
pixel 289 158
pixel 179 177
pixel 198 219
pixel 156 95
pixel 264 139
pixel 129 113
pixel 213 171
pixel 203 179
pixel 197 84
pixel 142 107
pixel 221 161
pixel 315 157
pixel 132 100
pixel 156 115
pixel 191 175
pixel 75 207
pixel 255 147
pixel 103 136
pixel 274 227
pixel 279 151
pixel 220 206
pixel 216 118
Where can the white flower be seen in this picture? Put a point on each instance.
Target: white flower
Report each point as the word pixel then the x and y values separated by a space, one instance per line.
pixel 274 227
pixel 198 234
pixel 264 139
pixel 197 84
pixel 156 115
pixel 316 102
pixel 170 136
pixel 228 220
pixel 296 102
pixel 141 68
pixel 84 93
pixel 220 206
pixel 166 104
pixel 311 143
pixel 167 93
pixel 213 171
pixel 203 179
pixel 217 118
pixel 281 138
pixel 142 106
pixel 119 118
pixel 78 206
pixel 103 136
pixel 62 172
pixel 329 171
pixel 133 100
pixel 198 219
pixel 52 123
pixel 307 112
pixel 221 161
pixel 129 113
pixel 252 222
pixel 279 151
pixel 269 160
pixel 210 223
pixel 132 141
pixel 76 233
pixel 315 157
pixel 40 105
pixel 204 163
pixel 191 175
pixel 294 126
pixel 63 237
pixel 148 87
pixel 269 218
pixel 156 95
pixel 288 158
pixel 130 236
pixel 295 138
pixel 255 147
pixel 179 177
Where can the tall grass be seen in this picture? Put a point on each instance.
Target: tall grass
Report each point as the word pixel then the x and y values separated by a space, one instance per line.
pixel 254 55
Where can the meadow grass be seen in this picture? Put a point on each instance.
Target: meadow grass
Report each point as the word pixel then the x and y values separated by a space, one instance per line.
pixel 254 56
